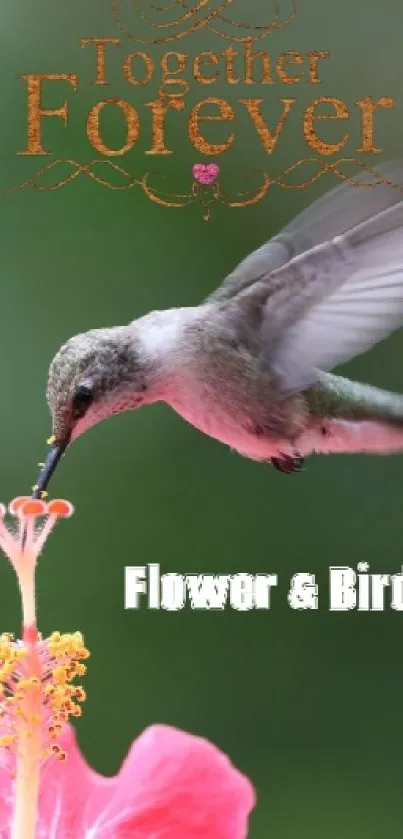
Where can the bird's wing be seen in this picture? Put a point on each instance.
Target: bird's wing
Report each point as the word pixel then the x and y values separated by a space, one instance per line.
pixel 335 301
pixel 331 215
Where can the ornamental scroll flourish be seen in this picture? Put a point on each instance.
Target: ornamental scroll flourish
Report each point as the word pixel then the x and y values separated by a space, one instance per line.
pixel 170 20
pixel 156 22
pixel 203 193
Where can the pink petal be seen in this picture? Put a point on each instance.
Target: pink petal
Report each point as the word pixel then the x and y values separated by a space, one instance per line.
pixel 172 785
pixel 6 802
pixel 71 793
pixel 185 789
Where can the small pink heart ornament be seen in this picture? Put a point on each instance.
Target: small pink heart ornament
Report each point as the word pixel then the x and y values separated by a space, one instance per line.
pixel 205 173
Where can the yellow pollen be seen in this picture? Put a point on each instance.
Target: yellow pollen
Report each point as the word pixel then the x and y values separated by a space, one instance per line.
pixel 55 730
pixel 80 694
pixel 58 752
pixel 7 740
pixel 60 674
pixel 37 689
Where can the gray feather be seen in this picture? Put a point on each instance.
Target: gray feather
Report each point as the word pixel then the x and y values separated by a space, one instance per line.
pixel 331 215
pixel 343 298
pixel 330 285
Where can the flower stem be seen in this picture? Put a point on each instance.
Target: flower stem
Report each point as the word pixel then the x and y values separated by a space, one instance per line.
pixel 29 736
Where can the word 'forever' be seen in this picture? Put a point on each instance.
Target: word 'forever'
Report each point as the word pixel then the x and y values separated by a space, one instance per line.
pixel 165 114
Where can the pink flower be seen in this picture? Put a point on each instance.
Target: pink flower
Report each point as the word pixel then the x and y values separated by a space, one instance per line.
pixel 37 690
pixel 38 693
pixel 172 785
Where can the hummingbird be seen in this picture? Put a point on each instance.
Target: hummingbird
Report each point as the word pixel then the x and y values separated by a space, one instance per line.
pixel 251 366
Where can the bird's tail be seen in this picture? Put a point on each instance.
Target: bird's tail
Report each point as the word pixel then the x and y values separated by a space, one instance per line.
pixel 348 416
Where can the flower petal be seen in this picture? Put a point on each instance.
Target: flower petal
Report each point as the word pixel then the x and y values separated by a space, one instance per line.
pixel 6 800
pixel 69 793
pixel 172 785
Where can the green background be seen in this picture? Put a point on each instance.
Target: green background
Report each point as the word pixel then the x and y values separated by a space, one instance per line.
pixel 307 704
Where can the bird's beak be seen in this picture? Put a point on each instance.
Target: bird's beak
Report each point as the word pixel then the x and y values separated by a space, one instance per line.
pixel 49 467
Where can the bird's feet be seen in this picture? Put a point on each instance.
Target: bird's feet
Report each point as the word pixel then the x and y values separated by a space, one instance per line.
pixel 287 464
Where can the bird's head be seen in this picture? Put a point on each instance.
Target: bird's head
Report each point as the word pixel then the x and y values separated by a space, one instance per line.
pixel 92 376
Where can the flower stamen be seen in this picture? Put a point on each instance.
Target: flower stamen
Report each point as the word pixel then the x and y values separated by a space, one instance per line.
pixel 38 693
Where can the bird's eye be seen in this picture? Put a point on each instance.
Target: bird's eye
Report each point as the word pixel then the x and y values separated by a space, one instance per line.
pixel 82 400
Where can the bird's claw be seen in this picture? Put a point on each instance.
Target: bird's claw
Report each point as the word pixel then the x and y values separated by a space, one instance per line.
pixel 287 464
